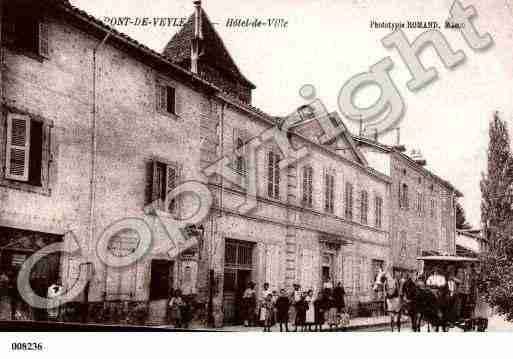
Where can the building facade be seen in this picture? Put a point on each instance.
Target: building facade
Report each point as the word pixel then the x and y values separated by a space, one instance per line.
pixel 96 127
pixel 422 205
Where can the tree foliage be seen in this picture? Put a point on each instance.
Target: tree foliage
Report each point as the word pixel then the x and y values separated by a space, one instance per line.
pixel 496 216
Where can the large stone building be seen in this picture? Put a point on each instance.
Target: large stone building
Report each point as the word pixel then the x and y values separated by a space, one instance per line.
pixel 95 127
pixel 422 205
pixel 310 220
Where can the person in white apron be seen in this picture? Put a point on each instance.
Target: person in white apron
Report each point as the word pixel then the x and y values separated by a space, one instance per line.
pixel 54 290
pixel 310 312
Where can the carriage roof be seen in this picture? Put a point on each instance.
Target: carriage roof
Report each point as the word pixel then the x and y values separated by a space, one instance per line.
pixel 447 259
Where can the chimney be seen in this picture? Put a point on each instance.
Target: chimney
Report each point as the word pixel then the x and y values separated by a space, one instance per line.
pixel 417 157
pixel 198 36
pixel 398 146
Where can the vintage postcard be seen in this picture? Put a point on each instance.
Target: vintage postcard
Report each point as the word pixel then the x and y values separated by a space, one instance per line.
pixel 271 166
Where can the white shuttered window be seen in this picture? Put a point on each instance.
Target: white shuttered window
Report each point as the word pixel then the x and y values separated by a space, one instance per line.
pixel 17 147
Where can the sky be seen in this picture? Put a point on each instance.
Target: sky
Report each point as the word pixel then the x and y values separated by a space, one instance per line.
pixel 326 42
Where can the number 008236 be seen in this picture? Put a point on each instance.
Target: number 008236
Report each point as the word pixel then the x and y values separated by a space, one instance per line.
pixel 26 346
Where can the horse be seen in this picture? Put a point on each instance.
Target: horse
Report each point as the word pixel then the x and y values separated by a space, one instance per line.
pixel 423 304
pixel 411 303
pixel 390 287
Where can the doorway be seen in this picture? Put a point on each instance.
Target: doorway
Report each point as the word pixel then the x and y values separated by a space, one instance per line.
pixel 237 274
pixel 327 268
pixel 161 281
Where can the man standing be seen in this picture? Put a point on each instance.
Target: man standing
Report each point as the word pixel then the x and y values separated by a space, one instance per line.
pixel 327 285
pixel 338 296
pixel 436 280
pixel 295 299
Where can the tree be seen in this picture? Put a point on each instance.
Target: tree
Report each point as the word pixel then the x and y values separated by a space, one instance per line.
pixel 461 220
pixel 496 217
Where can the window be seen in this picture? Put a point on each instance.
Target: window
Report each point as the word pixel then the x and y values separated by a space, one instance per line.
pixel 273 175
pixel 419 203
pixel 238 144
pixel 379 212
pixel 166 99
pixel 329 182
pixel 349 201
pixel 25 31
pixel 24 149
pixel 403 245
pixel 165 179
pixel 403 196
pixel 433 208
pixel 364 206
pixel 307 186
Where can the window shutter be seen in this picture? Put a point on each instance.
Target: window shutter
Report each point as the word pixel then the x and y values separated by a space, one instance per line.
pixel 277 176
pixel 155 186
pixel 270 174
pixel 406 197
pixel 171 181
pixel 43 38
pixel 160 97
pixel 326 192
pixel 400 196
pixel 18 147
pixel 305 184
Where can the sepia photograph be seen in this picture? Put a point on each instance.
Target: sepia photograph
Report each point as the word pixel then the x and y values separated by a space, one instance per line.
pixel 308 166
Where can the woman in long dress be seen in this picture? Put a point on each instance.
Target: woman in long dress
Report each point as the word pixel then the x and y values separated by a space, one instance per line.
pixel 332 314
pixel 249 305
pixel 310 312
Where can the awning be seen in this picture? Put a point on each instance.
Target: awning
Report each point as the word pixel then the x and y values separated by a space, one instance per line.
pixel 334 239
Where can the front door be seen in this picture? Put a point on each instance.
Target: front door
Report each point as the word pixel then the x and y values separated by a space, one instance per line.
pixel 161 284
pixel 161 279
pixel 237 275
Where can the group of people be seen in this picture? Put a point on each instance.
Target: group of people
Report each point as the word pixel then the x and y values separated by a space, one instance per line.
pixel 301 308
pixel 180 309
pixel 457 289
pixel 454 289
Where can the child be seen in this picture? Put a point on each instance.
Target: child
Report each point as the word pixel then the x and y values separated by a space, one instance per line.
pixel 344 319
pixel 282 310
pixel 266 312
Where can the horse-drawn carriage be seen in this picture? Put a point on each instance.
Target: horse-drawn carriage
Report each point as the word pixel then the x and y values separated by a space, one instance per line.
pixel 460 302
pixel 444 293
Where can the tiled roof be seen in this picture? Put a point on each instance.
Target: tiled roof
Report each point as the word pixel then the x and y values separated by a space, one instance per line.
pixel 213 49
